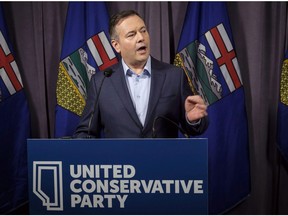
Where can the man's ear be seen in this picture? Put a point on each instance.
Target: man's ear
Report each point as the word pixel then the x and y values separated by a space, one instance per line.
pixel 115 45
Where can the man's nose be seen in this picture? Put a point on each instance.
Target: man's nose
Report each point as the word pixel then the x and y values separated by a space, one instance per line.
pixel 140 37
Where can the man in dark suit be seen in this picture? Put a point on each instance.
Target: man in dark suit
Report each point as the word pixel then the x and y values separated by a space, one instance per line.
pixel 143 97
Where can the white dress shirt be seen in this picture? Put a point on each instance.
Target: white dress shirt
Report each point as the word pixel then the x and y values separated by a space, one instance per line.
pixel 139 88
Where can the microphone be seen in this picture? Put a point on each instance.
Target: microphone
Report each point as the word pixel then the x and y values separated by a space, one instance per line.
pixel 170 121
pixel 107 73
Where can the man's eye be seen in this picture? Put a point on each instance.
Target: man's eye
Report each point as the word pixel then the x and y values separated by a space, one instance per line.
pixel 130 35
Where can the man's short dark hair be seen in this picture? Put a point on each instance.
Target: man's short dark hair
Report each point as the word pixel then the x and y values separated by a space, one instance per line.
pixel 116 18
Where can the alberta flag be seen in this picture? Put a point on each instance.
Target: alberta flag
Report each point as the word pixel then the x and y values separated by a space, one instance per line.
pixel 14 128
pixel 86 49
pixel 206 53
pixel 283 110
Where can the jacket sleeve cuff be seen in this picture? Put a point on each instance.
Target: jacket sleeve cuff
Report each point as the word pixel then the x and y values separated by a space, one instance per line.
pixel 194 123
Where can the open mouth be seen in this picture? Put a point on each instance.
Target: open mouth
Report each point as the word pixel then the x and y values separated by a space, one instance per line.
pixel 142 49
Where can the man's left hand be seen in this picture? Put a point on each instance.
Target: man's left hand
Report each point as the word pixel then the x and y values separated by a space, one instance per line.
pixel 195 108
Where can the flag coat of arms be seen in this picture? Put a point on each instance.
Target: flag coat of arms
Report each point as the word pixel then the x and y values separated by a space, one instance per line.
pixel 86 49
pixel 14 128
pixel 283 110
pixel 206 53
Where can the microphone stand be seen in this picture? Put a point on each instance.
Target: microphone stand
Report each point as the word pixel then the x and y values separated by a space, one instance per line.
pixel 170 121
pixel 107 73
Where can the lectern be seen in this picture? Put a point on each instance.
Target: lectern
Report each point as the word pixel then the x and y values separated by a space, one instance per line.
pixel 118 176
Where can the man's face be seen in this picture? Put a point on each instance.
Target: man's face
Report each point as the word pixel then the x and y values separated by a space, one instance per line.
pixel 133 42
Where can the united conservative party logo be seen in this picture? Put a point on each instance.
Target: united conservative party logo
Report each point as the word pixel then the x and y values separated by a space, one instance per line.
pixel 48 184
pixel 104 177
pixel 100 186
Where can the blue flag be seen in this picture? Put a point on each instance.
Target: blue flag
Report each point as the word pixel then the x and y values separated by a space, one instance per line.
pixel 86 49
pixel 14 128
pixel 283 110
pixel 206 53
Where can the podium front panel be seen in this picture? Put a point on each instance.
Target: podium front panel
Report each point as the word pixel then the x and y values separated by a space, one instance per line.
pixel 118 176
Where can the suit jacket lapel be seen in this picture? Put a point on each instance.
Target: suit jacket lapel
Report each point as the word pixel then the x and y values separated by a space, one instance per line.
pixel 121 88
pixel 157 80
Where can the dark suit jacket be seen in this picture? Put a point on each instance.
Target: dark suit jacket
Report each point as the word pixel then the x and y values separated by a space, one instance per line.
pixel 114 114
